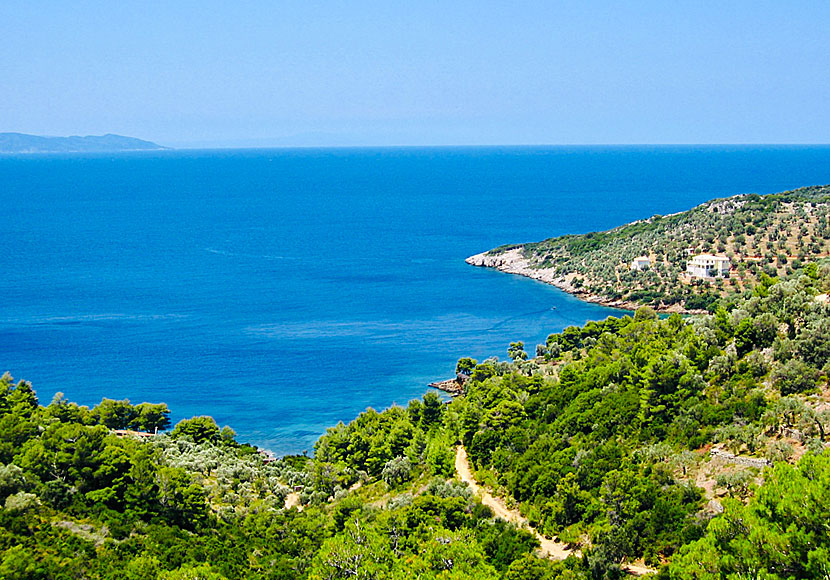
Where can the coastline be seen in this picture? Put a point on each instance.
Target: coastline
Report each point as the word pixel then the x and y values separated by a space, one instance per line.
pixel 453 387
pixel 512 262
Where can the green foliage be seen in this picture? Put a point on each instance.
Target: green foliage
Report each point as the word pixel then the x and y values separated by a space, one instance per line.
pixel 794 376
pixel 764 236
pixel 516 351
pixel 465 366
pixel 600 445
pixel 115 414
pixel 432 411
pixel 504 544
pixel 151 417
pixel 198 430
pixel 529 567
pixel 396 471
pixel 567 444
pixel 122 415
pixel 781 533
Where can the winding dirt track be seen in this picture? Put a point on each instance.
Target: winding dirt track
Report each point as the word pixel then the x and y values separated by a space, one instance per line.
pixel 548 548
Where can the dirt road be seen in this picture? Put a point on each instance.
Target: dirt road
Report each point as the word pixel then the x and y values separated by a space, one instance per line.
pixel 548 548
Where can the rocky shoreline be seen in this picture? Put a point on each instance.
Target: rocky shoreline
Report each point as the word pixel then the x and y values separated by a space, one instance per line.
pixel 513 262
pixel 454 387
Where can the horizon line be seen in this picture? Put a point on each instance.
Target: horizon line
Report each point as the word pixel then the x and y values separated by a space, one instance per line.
pixel 491 145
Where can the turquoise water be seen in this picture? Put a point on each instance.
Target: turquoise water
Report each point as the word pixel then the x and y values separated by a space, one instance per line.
pixel 284 290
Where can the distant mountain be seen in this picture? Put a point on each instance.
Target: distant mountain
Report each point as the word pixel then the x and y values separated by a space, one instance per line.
pixel 22 143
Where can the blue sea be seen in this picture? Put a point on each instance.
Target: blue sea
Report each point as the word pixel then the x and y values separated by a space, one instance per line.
pixel 282 291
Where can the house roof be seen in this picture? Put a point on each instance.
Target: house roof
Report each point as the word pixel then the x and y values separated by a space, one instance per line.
pixel 125 432
pixel 711 257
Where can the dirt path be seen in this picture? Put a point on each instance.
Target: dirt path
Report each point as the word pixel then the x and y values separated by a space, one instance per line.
pixel 548 548
pixel 293 500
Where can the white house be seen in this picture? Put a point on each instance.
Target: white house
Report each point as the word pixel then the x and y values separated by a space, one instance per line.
pixel 641 263
pixel 708 266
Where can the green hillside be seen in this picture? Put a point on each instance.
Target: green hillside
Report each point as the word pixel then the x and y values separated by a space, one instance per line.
pixel 692 446
pixel 772 234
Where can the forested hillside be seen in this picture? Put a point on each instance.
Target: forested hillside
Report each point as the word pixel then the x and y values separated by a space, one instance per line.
pixel 634 432
pixel 693 445
pixel 761 234
pixel 81 502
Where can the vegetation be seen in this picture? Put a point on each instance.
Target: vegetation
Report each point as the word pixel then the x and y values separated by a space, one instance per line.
pixel 771 235
pixel 78 501
pixel 696 445
pixel 781 533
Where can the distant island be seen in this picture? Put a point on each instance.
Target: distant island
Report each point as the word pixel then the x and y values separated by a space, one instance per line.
pixel 22 143
pixel 682 262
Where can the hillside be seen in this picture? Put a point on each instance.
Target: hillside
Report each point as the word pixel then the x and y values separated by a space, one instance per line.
pixel 634 440
pixel 22 143
pixel 760 234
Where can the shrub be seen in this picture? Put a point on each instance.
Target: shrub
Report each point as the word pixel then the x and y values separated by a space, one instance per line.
pixel 397 471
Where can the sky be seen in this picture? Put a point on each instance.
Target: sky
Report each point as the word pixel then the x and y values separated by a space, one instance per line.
pixel 423 72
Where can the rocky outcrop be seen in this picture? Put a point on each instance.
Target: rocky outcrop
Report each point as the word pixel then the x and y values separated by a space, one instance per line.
pixel 728 457
pixel 454 386
pixel 513 262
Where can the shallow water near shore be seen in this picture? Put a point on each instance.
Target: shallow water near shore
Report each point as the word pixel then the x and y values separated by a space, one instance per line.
pixel 282 291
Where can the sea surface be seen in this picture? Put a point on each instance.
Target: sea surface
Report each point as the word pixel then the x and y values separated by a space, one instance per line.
pixel 282 291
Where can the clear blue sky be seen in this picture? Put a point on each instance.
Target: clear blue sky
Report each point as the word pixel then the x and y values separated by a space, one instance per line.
pixel 248 73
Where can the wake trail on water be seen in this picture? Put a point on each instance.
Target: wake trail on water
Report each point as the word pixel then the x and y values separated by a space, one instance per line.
pixel 502 323
pixel 243 255
pixel 70 320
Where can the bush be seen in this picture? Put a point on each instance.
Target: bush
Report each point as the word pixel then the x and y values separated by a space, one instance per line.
pixel 21 501
pixel 198 430
pixel 397 471
pixel 794 376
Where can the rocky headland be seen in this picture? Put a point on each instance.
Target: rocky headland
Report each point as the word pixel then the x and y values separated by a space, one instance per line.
pixel 513 262
pixel 647 262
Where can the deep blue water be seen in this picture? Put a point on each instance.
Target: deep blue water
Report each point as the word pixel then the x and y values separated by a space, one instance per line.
pixel 284 290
